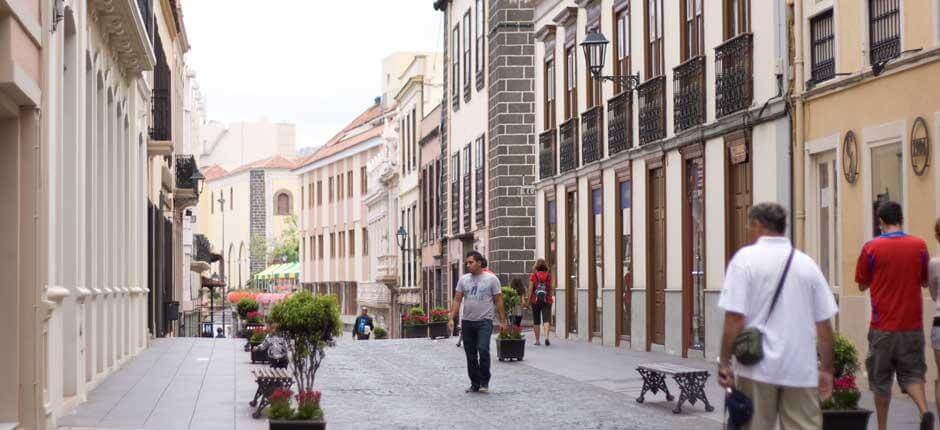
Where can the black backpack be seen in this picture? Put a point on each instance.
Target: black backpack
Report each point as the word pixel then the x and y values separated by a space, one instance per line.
pixel 541 292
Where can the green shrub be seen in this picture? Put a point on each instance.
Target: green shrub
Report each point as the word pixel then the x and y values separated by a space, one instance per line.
pixel 380 333
pixel 246 305
pixel 309 323
pixel 511 300
pixel 845 393
pixel 258 336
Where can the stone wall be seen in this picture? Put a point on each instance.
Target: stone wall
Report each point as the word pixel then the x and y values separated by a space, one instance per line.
pixel 511 148
pixel 257 221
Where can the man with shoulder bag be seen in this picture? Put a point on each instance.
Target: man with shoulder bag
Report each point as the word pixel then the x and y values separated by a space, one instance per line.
pixel 777 310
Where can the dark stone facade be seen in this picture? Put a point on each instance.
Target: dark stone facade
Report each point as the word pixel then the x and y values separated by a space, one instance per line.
pixel 512 140
pixel 257 222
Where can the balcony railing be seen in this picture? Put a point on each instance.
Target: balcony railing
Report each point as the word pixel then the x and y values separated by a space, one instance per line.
pixel 734 80
pixel 652 101
pixel 568 148
pixel 689 93
pixel 455 207
pixel 203 249
pixel 185 166
pixel 480 195
pixel 884 30
pixel 161 115
pixel 547 154
pixel 466 202
pixel 619 123
pixel 146 12
pixel 592 135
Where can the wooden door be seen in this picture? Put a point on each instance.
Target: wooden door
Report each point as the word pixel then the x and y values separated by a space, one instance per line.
pixel 571 245
pixel 656 244
pixel 740 193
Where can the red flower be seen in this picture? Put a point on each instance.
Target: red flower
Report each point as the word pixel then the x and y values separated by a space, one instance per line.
pixel 311 398
pixel 846 382
pixel 281 394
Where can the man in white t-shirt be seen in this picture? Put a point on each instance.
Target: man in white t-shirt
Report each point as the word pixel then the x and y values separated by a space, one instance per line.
pixel 787 384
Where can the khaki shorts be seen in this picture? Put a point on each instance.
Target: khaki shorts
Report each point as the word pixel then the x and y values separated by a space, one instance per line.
pixel 895 352
pixel 791 407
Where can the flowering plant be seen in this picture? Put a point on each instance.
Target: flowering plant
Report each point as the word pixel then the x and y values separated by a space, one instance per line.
pixel 511 332
pixel 440 315
pixel 254 317
pixel 410 320
pixel 258 335
pixel 308 405
pixel 845 393
pixel 245 306
pixel 280 404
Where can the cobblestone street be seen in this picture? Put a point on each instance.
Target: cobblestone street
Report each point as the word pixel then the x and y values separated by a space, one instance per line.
pixel 394 384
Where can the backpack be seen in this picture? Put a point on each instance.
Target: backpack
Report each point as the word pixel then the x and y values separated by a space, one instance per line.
pixel 541 291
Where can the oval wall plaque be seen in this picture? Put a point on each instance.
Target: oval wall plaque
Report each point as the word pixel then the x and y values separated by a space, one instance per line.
pixel 920 147
pixel 850 157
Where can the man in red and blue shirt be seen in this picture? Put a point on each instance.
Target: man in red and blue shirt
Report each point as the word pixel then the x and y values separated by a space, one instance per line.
pixel 893 267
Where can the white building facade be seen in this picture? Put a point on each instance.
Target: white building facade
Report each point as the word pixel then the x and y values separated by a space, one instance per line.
pixel 623 173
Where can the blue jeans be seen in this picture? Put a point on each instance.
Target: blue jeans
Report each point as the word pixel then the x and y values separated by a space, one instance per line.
pixel 476 343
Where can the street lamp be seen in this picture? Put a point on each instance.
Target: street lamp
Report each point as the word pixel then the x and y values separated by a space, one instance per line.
pixel 199 182
pixel 595 45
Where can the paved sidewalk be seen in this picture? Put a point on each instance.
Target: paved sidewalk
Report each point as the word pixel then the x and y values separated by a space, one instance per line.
pixel 193 383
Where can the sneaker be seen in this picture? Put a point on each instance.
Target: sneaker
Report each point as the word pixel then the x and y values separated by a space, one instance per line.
pixel 485 389
pixel 926 421
pixel 472 389
pixel 547 343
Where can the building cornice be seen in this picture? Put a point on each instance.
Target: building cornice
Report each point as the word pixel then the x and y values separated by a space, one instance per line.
pixel 546 32
pixel 566 17
pixel 127 36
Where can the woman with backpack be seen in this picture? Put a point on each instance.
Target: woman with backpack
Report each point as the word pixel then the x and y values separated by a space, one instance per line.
pixel 541 297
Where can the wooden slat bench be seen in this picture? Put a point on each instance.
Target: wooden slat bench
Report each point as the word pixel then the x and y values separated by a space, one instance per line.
pixel 268 380
pixel 691 383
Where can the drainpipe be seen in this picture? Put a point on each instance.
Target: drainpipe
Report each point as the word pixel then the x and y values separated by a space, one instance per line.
pixel 796 127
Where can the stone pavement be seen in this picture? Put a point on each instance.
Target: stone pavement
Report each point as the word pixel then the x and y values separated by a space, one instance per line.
pixel 193 383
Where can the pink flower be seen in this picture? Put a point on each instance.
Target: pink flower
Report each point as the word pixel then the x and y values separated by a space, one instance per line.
pixel 846 382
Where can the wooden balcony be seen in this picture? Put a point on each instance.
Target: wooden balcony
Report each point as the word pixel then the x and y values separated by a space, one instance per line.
pixel 689 93
pixel 547 151
pixel 734 75
pixel 619 123
pixel 592 134
pixel 568 148
pixel 652 101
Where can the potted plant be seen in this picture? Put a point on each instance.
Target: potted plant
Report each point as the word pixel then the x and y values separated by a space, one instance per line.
pixel 438 326
pixel 415 323
pixel 258 355
pixel 307 416
pixel 841 411
pixel 309 323
pixel 242 308
pixel 509 343
pixel 380 333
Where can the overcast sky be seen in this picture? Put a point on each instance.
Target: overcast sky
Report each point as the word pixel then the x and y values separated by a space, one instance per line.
pixel 314 63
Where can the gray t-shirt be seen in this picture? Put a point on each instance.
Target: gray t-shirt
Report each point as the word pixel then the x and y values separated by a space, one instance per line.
pixel 478 292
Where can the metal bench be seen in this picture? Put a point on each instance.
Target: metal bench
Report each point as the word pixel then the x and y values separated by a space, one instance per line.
pixel 268 380
pixel 691 383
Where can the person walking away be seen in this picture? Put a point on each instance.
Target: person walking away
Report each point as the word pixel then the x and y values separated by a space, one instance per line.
pixel 893 267
pixel 540 298
pixel 771 287
pixel 933 278
pixel 480 294
pixel 363 327
pixel 518 285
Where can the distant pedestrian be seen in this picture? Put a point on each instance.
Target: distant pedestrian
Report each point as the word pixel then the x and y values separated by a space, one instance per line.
pixel 540 297
pixel 363 326
pixel 893 266
pixel 480 294
pixel 933 277
pixel 779 295
pixel 518 285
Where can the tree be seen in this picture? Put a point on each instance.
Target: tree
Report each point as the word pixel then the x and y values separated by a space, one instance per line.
pixel 287 248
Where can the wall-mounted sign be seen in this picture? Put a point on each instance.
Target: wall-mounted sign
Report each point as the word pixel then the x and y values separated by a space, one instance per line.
pixel 920 147
pixel 850 157
pixel 737 146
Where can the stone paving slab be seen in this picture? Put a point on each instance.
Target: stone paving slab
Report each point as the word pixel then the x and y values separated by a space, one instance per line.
pixel 193 383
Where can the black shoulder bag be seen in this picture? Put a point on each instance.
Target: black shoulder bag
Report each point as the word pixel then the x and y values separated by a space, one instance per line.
pixel 749 344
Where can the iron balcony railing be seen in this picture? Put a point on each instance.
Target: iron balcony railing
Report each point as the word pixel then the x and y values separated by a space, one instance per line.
pixel 203 249
pixel 592 134
pixel 619 123
pixel 185 166
pixel 146 12
pixel 480 195
pixel 734 74
pixel 466 202
pixel 161 115
pixel 652 101
pixel 689 93
pixel 455 207
pixel 568 148
pixel 884 29
pixel 547 154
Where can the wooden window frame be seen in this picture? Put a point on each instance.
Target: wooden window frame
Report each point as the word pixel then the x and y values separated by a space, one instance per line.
pixel 735 25
pixel 414 138
pixel 692 29
pixel 365 241
pixel 455 68
pixel 349 183
pixel 330 188
pixel 654 48
pixel 621 48
pixel 571 80
pixel 595 183
pixel 621 175
pixel 320 193
pixel 320 246
pixel 351 235
pixel 467 29
pixel 332 245
pixel 364 180
pixel 549 92
pixel 480 6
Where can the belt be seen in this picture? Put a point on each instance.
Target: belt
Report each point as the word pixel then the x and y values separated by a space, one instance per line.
pixel 936 321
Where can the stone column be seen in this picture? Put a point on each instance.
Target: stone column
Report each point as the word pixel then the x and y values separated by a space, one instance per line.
pixel 512 139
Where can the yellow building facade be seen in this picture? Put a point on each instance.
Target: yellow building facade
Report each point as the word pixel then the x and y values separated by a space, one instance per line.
pixel 866 119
